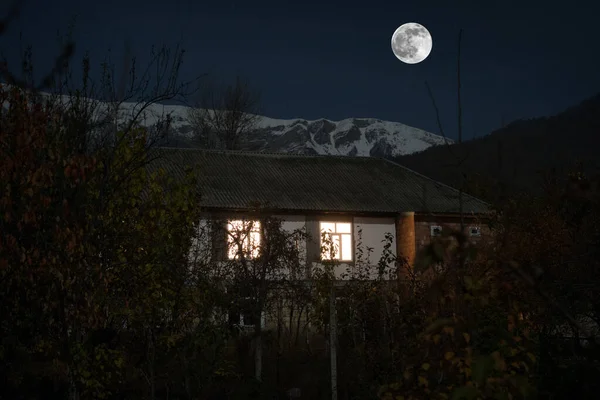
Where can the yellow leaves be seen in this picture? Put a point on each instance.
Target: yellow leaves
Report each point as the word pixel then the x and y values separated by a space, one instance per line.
pixel 467 337
pixel 425 366
pixel 436 338
pixel 531 357
pixel 449 330
pixel 423 381
pixel 467 371
pixel 449 355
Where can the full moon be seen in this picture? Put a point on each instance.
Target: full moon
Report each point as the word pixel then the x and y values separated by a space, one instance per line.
pixel 411 43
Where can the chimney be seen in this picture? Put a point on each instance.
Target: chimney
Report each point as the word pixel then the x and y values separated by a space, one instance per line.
pixel 405 240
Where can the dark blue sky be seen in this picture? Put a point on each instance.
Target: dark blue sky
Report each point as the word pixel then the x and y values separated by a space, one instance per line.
pixel 333 59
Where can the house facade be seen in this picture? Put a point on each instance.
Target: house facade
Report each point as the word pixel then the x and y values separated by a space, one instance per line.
pixel 350 209
pixel 342 194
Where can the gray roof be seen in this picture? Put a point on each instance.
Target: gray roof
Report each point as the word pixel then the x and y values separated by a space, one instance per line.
pixel 238 180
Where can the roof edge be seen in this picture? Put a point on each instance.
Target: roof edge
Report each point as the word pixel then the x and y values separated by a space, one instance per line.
pixel 263 154
pixel 433 180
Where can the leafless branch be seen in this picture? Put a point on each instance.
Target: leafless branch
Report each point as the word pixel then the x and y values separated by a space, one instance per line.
pixel 225 116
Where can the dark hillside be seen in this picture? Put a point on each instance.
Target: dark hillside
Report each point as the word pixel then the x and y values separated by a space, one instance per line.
pixel 520 154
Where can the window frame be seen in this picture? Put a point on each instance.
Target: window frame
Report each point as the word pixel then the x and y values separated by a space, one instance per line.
pixel 351 234
pixel 239 308
pixel 241 311
pixel 230 242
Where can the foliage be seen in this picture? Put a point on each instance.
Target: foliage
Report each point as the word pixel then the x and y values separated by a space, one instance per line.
pixel 90 243
pixel 475 344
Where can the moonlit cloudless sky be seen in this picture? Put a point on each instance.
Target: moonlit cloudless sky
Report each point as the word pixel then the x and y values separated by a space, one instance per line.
pixel 332 59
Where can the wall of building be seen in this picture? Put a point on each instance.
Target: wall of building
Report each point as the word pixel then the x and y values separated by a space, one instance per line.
pixel 368 233
pixel 423 226
pixel 203 243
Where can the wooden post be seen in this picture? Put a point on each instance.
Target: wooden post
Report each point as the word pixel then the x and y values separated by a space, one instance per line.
pixel 333 341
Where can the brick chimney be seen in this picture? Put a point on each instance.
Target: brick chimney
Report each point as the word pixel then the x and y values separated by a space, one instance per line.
pixel 405 239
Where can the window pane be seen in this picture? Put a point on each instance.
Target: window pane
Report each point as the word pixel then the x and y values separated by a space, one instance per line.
pixel 235 225
pixel 248 318
pixel 231 249
pixel 332 247
pixel 347 247
pixel 336 246
pixel 233 240
pixel 344 227
pixel 254 226
pixel 246 233
pixel 328 227
pixel 254 244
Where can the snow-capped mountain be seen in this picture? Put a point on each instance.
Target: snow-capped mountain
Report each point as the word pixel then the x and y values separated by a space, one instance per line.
pixel 353 136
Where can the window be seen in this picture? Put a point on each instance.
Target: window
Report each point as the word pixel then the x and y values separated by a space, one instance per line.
pixel 338 244
pixel 436 230
pixel 240 315
pixel 474 231
pixel 244 234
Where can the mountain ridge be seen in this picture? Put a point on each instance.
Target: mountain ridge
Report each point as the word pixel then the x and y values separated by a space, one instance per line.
pixel 350 136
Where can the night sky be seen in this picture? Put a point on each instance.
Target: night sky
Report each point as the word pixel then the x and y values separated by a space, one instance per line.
pixel 333 59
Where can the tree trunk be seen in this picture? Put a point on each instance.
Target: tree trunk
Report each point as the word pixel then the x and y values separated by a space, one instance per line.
pixel 258 348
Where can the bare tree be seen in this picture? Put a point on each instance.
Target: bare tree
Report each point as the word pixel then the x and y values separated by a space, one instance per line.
pixel 225 116
pixel 255 258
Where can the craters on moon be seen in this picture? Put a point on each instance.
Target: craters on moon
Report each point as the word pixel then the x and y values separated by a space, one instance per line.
pixel 411 43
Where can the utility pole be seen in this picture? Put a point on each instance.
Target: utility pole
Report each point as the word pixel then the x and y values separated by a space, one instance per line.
pixel 333 340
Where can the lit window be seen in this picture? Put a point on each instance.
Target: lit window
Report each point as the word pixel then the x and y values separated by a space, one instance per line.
pixel 243 236
pixel 338 243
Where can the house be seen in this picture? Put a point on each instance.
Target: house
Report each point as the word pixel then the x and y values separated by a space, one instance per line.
pixel 340 194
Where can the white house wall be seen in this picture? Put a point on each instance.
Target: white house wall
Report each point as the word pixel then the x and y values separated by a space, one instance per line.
pixel 374 230
pixel 291 223
pixel 201 244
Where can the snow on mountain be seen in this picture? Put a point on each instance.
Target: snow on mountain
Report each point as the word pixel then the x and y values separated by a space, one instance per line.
pixel 353 136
